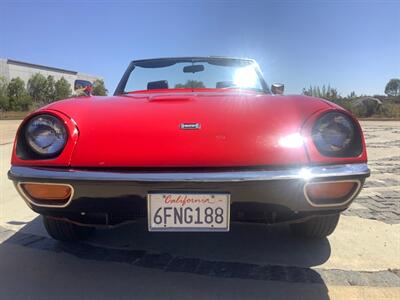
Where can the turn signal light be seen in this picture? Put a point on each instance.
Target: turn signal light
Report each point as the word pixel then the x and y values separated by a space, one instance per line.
pixel 47 192
pixel 330 192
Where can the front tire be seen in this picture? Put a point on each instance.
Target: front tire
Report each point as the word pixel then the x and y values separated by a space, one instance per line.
pixel 316 227
pixel 64 231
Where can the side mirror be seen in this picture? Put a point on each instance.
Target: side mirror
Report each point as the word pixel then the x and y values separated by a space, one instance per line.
pixel 83 87
pixel 277 88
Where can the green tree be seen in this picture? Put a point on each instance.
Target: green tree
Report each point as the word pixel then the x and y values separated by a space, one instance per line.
pixel 17 95
pixel 50 90
pixel 99 88
pixel 62 89
pixel 190 84
pixel 4 103
pixel 37 87
pixel 393 87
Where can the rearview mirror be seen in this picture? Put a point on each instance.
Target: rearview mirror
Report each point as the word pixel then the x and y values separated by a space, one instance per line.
pixel 83 87
pixel 193 69
pixel 277 88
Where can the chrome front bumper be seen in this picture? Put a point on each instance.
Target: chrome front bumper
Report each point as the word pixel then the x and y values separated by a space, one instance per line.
pixel 115 197
pixel 305 173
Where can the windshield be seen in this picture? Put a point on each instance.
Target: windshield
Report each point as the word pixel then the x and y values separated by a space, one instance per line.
pixel 196 73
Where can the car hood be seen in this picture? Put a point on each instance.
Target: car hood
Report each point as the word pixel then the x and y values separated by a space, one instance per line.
pixel 144 130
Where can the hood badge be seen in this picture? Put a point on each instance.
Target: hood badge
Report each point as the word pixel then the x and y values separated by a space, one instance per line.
pixel 190 126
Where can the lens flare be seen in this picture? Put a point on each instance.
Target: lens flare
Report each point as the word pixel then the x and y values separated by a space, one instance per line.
pixel 305 174
pixel 294 140
pixel 245 77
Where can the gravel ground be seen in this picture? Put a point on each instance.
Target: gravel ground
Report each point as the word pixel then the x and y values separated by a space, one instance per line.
pixel 380 198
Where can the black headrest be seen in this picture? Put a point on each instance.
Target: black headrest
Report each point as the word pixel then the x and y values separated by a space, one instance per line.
pixel 224 84
pixel 156 85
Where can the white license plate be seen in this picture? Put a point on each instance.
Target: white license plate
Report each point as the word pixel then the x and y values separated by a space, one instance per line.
pixel 188 212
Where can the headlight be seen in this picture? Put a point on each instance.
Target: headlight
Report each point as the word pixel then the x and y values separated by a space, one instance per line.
pixel 46 135
pixel 335 134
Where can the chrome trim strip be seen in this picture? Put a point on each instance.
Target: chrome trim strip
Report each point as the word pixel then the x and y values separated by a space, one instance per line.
pixel 27 198
pixel 349 199
pixel 305 173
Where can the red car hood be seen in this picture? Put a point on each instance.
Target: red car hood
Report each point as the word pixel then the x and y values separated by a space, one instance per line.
pixel 143 130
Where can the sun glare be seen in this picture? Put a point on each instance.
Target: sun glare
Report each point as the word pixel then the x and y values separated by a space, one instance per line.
pixel 294 140
pixel 305 174
pixel 245 77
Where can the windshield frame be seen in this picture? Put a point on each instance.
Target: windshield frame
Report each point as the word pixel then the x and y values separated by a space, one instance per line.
pixel 120 90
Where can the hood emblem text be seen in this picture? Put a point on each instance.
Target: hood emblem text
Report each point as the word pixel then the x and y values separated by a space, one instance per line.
pixel 190 126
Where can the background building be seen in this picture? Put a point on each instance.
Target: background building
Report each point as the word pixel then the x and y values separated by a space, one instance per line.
pixel 13 68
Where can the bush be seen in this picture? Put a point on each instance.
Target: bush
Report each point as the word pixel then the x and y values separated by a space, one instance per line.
pixel 359 111
pixel 50 91
pixel 37 89
pixel 18 98
pixel 15 97
pixel 390 107
pixel 99 88
pixel 4 103
pixel 62 89
pixel 390 110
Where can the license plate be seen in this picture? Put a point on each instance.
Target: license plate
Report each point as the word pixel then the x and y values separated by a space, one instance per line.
pixel 188 212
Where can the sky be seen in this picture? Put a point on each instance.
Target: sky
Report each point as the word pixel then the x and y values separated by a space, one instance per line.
pixel 352 45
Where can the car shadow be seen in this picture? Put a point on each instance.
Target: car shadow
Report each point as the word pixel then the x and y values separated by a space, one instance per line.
pixel 247 251
pixel 247 243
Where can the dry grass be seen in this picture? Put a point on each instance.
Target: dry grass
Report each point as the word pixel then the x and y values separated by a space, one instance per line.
pixel 13 115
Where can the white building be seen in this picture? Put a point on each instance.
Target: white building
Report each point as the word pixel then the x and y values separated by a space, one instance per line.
pixel 13 68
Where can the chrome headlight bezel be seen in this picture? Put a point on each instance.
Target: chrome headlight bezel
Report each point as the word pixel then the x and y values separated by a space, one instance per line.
pixel 335 134
pixel 45 136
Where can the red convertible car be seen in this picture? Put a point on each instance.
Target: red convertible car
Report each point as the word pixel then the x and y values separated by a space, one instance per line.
pixel 191 144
